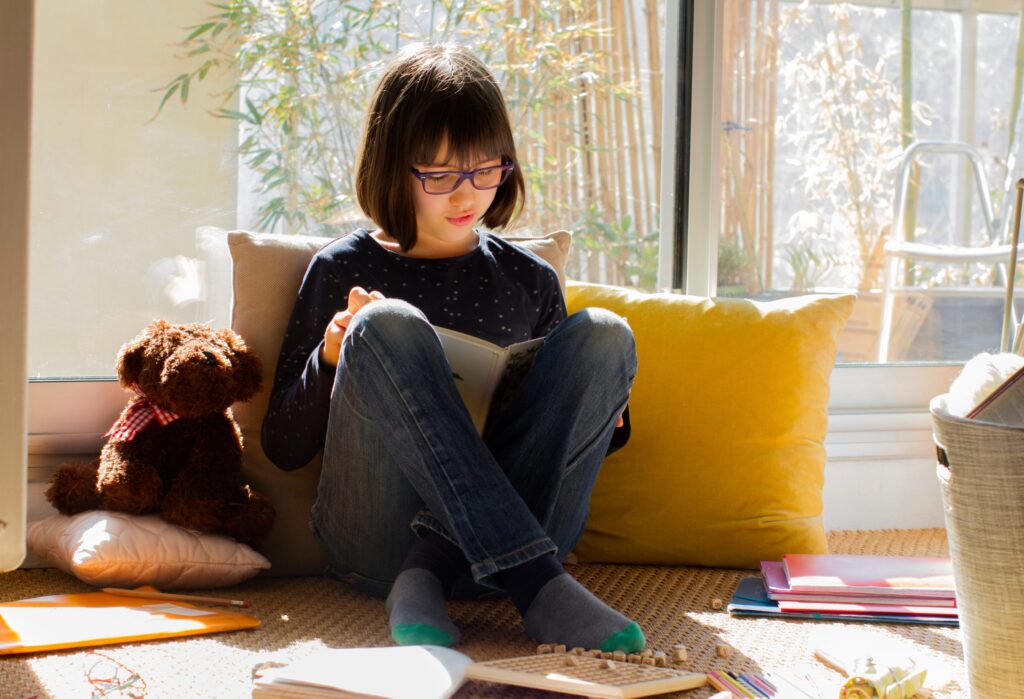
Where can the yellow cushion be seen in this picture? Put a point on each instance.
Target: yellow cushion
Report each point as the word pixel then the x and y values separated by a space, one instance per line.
pixel 729 410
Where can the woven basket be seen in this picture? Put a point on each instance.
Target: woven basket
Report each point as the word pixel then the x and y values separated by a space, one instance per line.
pixel 981 476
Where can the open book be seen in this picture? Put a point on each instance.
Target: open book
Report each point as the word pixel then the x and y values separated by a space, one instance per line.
pixel 395 672
pixel 486 374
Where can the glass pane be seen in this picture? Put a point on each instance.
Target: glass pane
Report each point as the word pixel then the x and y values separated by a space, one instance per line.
pixel 827 184
pixel 265 100
pixel 582 81
pixel 117 195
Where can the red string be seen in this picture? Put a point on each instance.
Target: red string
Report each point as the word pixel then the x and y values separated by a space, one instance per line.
pixel 129 683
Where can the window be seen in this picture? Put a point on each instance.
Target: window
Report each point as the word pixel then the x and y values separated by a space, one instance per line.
pixel 817 102
pixel 122 194
pixel 117 196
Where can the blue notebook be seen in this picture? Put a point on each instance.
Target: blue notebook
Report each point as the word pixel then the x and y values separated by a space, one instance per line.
pixel 751 599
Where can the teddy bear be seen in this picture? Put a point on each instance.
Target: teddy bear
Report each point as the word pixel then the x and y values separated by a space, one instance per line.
pixel 175 450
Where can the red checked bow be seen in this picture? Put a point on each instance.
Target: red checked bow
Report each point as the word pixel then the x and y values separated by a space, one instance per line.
pixel 137 416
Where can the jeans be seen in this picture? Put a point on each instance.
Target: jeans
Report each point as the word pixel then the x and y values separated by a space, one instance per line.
pixel 402 455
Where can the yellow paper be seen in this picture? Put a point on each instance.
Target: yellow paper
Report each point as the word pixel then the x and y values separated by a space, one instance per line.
pixel 97 618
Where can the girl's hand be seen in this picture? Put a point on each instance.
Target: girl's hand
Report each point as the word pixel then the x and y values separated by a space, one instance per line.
pixel 621 421
pixel 336 330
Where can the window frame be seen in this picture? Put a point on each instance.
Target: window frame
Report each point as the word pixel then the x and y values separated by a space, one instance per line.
pixel 15 146
pixel 692 246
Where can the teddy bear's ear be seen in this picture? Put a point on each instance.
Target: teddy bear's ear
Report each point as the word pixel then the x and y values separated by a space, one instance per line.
pixel 248 369
pixel 129 360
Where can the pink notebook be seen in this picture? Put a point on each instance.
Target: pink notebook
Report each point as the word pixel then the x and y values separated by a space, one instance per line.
pixel 889 575
pixel 777 586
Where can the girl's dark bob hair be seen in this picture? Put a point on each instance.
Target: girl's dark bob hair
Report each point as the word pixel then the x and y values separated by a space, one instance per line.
pixel 429 93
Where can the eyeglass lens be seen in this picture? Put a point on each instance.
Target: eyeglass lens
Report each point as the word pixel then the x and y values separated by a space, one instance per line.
pixel 487 178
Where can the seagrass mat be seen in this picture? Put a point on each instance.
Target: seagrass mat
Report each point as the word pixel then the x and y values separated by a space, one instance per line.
pixel 300 615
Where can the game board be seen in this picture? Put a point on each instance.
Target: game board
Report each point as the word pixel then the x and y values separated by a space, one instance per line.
pixel 584 675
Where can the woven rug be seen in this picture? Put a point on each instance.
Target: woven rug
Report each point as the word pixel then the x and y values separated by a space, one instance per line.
pixel 300 615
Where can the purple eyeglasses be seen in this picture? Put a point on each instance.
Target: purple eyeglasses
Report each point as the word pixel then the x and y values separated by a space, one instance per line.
pixel 447 181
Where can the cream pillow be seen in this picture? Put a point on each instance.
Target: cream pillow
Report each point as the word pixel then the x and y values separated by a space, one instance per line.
pixel 120 550
pixel 267 273
pixel 725 463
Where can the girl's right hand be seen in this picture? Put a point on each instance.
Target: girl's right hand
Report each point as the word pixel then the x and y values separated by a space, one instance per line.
pixel 336 330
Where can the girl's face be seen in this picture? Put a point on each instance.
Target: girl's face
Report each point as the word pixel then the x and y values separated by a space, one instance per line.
pixel 447 220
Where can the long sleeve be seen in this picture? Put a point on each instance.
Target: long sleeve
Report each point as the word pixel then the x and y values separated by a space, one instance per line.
pixel 295 425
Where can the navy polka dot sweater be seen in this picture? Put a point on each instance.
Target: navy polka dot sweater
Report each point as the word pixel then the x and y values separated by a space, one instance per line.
pixel 498 292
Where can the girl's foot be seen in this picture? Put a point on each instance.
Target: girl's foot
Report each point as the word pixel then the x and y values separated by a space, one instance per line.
pixel 416 610
pixel 566 612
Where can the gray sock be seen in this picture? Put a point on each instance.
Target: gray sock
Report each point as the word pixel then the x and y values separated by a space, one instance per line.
pixel 566 612
pixel 416 611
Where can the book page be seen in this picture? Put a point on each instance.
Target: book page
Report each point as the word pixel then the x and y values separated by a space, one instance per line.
pixel 397 672
pixel 477 366
pixel 485 374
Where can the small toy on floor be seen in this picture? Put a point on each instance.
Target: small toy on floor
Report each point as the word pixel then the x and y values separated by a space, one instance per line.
pixel 644 657
pixel 888 674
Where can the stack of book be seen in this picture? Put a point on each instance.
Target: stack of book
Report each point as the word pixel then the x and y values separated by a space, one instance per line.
pixel 896 589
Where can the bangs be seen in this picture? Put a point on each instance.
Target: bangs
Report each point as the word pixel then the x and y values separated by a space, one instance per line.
pixel 475 130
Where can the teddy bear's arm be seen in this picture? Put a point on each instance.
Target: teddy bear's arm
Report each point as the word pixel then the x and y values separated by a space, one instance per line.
pixel 127 480
pixel 201 494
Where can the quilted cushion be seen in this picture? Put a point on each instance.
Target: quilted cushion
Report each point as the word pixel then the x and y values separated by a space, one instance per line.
pixel 115 549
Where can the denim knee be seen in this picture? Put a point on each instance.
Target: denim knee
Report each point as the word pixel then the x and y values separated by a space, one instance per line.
pixel 599 335
pixel 389 320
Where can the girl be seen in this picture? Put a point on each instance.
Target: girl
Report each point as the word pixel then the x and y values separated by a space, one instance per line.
pixel 411 501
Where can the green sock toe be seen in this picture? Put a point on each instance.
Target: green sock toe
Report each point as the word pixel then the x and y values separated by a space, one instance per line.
pixel 630 640
pixel 424 635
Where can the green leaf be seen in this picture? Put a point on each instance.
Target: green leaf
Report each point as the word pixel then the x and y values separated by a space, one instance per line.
pixel 184 90
pixel 205 48
pixel 232 114
pixel 202 28
pixel 271 173
pixel 261 158
pixel 167 95
pixel 257 119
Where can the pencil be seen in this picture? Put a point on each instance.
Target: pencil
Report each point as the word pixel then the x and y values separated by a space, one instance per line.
pixel 154 594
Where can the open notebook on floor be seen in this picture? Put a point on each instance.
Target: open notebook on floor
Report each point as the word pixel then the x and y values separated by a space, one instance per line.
pixel 97 618
pixel 396 672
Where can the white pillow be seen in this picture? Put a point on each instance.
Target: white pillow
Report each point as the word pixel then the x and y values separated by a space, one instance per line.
pixel 120 550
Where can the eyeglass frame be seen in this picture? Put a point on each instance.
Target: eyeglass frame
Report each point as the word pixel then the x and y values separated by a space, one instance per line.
pixel 506 167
